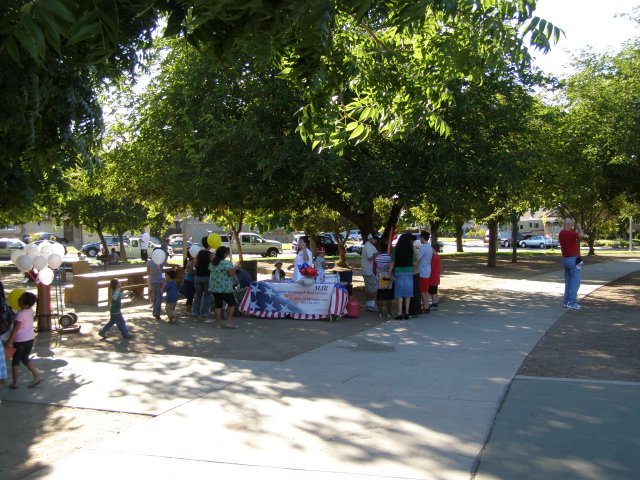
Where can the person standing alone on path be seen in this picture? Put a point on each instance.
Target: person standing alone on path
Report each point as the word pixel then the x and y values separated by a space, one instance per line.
pixel 144 245
pixel 369 253
pixel 115 312
pixel 569 239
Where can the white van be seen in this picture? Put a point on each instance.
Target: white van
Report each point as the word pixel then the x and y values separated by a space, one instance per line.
pixel 132 248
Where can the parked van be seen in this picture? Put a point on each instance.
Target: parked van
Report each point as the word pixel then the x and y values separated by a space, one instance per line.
pixel 132 248
pixel 252 243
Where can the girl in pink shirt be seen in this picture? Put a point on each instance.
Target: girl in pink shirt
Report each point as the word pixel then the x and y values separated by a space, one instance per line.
pixel 22 337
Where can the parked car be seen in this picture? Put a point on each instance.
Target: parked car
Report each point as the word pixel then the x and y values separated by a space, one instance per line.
pixel 504 239
pixel 252 243
pixel 93 249
pixel 40 242
pixel 41 236
pixel 329 244
pixel 10 245
pixel 539 241
pixel 132 247
pixel 177 245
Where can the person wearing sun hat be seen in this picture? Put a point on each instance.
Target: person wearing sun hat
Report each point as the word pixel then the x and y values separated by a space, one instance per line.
pixel 278 274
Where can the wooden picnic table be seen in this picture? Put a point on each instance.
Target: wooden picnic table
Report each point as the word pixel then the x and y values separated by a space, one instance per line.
pixel 86 286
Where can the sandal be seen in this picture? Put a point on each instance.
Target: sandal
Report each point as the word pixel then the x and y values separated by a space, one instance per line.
pixel 35 382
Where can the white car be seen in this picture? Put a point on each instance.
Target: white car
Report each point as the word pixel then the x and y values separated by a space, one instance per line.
pixel 10 245
pixel 252 243
pixel 539 241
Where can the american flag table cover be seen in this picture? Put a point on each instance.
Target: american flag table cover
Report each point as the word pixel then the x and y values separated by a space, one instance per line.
pixel 282 299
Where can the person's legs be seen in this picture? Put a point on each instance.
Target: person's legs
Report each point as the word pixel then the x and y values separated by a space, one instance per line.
pixel 118 319
pixel 34 371
pixel 197 299
pixel 566 265
pixel 574 284
pixel 217 300
pixel 170 309
pixel 424 294
pixel 157 299
pixel 400 308
pixel 231 308
pixel 103 331
pixel 206 302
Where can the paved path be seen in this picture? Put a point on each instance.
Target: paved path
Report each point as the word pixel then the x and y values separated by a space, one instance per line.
pixel 413 399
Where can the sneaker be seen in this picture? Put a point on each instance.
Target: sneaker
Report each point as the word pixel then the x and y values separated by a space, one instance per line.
pixel 434 306
pixel 565 305
pixel 575 306
pixel 379 315
pixel 102 334
pixel 128 337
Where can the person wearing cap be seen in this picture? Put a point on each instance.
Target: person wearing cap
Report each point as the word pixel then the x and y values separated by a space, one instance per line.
pixel 278 273
pixel 369 252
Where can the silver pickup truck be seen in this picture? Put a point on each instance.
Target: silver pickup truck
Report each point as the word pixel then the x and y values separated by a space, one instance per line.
pixel 252 243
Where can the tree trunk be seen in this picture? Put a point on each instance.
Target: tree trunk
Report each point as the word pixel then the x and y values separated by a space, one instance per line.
pixel 342 251
pixel 434 225
pixel 493 242
pixel 459 233
pixel 391 222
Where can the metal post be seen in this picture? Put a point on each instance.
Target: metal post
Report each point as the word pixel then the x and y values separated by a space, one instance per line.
pixel 630 233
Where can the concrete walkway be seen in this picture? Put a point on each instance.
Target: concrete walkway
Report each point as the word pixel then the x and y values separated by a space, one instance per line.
pixel 412 399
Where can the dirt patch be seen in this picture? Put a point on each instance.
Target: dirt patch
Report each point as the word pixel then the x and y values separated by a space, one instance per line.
pixel 600 342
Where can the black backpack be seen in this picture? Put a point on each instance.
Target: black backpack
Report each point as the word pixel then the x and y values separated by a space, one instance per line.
pixel 6 313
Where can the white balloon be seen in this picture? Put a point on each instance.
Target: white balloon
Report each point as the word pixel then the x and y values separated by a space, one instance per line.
pixel 32 250
pixel 15 254
pixel 39 262
pixel 46 249
pixel 24 263
pixel 46 276
pixel 158 256
pixel 194 249
pixel 57 248
pixel 55 260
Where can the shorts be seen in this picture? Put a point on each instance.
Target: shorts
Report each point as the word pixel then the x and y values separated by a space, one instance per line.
pixel 424 284
pixel 370 284
pixel 384 294
pixel 433 289
pixel 403 285
pixel 23 352
pixel 219 297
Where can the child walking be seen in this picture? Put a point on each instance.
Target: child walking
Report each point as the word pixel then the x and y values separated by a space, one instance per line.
pixel 171 289
pixel 116 312
pixel 22 338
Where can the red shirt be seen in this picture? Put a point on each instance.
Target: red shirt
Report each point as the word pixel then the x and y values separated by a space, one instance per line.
pixel 569 243
pixel 434 279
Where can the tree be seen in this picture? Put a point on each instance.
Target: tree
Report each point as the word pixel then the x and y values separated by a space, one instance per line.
pixel 362 65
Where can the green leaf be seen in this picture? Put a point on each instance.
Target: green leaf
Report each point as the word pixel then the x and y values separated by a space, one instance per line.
pixel 357 132
pixel 57 8
pixel 85 33
pixel 27 43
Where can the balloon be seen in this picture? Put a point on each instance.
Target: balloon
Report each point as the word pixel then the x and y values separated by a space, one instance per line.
pixel 194 249
pixel 39 262
pixel 46 276
pixel 14 296
pixel 306 281
pixel 32 250
pixel 57 248
pixel 45 249
pixel 24 263
pixel 15 254
pixel 55 260
pixel 214 240
pixel 158 256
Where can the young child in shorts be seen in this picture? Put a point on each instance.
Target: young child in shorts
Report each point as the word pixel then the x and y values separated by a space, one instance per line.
pixel 434 280
pixel 22 338
pixel 171 290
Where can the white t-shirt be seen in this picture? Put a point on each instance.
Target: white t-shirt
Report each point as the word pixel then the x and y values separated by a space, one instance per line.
pixel 299 261
pixel 425 252
pixel 366 262
pixel 144 241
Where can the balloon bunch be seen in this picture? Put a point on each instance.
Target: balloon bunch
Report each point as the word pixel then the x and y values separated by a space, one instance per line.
pixel 307 270
pixel 44 258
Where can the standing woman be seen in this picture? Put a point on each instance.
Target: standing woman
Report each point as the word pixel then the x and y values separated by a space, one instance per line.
pixel 403 260
pixel 304 256
pixel 202 298
pixel 222 274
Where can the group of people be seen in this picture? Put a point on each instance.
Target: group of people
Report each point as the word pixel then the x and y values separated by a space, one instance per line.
pixel 410 274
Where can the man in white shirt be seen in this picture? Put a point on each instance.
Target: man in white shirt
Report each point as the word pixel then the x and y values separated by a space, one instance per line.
pixel 144 245
pixel 369 253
